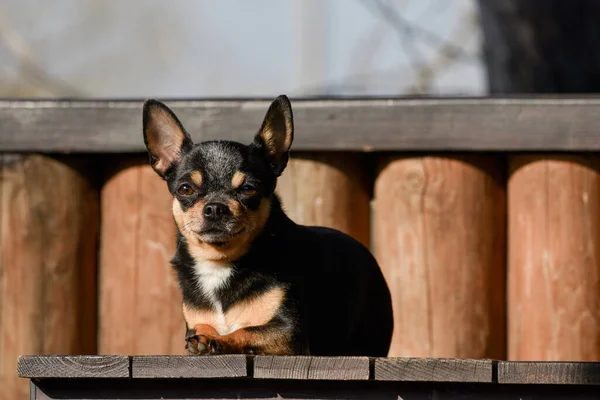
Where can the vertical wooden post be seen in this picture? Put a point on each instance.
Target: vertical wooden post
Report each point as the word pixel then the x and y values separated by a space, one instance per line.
pixel 554 258
pixel 440 233
pixel 140 303
pixel 328 189
pixel 48 230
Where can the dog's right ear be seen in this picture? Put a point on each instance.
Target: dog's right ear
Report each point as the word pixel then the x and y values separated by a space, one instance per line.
pixel 164 136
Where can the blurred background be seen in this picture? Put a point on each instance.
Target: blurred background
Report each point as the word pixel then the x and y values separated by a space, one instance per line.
pixel 308 48
pixel 86 240
pixel 238 48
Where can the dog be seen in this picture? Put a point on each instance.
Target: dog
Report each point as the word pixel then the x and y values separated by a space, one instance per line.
pixel 252 280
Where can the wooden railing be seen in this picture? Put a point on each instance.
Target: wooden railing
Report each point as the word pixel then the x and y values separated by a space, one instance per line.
pixel 483 213
pixel 516 124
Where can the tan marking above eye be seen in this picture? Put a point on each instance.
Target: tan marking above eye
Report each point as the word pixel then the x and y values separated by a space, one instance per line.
pixel 196 177
pixel 238 179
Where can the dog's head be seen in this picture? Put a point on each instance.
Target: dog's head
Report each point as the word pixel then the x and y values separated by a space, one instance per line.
pixel 222 190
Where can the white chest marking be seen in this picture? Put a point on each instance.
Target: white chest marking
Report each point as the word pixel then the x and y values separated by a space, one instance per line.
pixel 212 277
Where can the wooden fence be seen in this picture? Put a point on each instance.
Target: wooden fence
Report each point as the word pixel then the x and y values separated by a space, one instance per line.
pixel 483 213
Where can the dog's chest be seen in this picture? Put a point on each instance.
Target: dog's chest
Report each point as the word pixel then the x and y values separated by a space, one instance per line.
pixel 255 310
pixel 211 277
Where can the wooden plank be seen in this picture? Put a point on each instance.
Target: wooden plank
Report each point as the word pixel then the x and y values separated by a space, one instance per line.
pixel 488 124
pixel 225 366
pixel 140 301
pixel 328 189
pixel 433 370
pixel 554 258
pixel 305 367
pixel 564 373
pixel 48 234
pixel 47 366
pixel 439 226
pixel 298 389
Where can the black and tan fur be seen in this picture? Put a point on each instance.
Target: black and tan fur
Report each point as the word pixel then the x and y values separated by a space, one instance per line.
pixel 252 280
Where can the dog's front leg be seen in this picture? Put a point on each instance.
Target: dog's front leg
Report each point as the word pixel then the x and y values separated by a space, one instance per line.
pixel 273 338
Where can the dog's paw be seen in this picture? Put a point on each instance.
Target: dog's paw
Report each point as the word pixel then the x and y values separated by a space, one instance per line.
pixel 203 345
pixel 196 345
pixel 203 339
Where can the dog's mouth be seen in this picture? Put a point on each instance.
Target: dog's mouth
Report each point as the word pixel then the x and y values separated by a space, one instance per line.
pixel 217 237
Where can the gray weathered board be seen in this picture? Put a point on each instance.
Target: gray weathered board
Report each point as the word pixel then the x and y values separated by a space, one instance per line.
pixel 433 370
pixel 476 124
pixel 226 366
pixel 566 373
pixel 40 366
pixel 318 368
pixel 269 377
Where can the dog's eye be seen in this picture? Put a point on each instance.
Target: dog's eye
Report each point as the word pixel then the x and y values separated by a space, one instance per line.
pixel 248 190
pixel 185 190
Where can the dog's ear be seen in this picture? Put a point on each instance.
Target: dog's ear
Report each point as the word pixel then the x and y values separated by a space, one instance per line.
pixel 276 134
pixel 164 136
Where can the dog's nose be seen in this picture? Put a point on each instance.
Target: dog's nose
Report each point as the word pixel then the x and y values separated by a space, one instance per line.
pixel 215 210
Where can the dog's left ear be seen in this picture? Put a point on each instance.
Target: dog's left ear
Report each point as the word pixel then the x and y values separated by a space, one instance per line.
pixel 164 136
pixel 276 134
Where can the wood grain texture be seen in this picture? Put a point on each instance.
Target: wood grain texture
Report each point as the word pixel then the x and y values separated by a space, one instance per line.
pixel 328 189
pixel 554 258
pixel 433 370
pixel 50 366
pixel 305 367
pixel 48 235
pixel 140 302
pixel 225 366
pixel 565 373
pixel 440 241
pixel 352 124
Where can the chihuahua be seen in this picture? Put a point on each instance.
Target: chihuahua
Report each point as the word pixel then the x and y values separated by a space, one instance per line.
pixel 252 280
